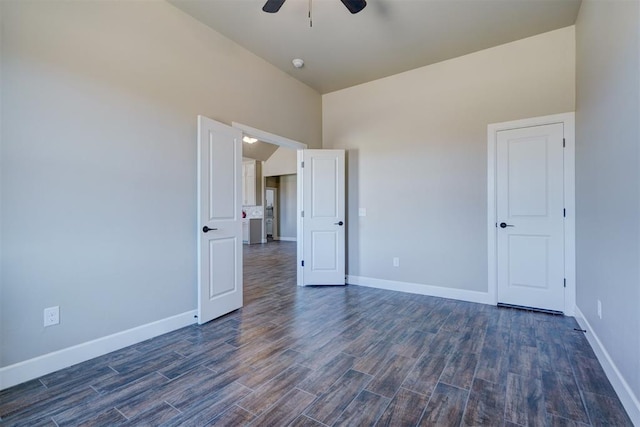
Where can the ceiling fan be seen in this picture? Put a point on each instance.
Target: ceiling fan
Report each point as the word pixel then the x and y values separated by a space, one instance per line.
pixel 354 6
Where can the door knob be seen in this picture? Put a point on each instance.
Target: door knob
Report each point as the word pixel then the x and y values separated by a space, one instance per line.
pixel 207 229
pixel 338 223
pixel 505 225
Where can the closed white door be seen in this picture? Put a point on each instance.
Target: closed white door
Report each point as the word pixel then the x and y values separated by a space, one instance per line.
pixel 219 219
pixel 323 221
pixel 530 217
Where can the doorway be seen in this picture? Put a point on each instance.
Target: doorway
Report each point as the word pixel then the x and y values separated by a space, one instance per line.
pixel 297 147
pixel 531 213
pixel 270 214
pixel 220 212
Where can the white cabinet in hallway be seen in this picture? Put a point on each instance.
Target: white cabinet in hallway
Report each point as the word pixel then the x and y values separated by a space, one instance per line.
pixel 245 231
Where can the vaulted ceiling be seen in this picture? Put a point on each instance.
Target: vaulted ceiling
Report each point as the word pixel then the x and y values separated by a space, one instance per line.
pixel 388 37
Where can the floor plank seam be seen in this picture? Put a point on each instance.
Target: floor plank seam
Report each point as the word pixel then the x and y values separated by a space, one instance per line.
pixel 239 405
pixel 466 405
pixel 424 410
pixel 178 410
pixel 120 412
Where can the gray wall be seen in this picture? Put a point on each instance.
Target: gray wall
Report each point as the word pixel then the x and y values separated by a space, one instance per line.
pixel 287 224
pixel 98 185
pixel 417 155
pixel 608 178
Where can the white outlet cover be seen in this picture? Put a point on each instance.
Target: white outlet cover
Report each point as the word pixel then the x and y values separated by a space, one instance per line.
pixel 51 316
pixel 362 212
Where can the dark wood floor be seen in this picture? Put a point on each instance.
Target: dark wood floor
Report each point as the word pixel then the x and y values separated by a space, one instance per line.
pixel 334 356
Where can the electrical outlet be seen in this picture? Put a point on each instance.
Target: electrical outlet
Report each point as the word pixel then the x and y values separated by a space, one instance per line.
pixel 599 309
pixel 51 316
pixel 396 261
pixel 362 212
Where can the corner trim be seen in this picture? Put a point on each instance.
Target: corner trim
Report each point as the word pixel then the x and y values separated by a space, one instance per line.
pixel 38 366
pixel 625 394
pixel 417 288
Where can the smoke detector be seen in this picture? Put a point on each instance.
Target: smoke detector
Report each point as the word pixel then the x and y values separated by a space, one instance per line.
pixel 298 63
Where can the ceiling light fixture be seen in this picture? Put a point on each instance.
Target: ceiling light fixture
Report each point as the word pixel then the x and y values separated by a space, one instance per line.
pixel 249 140
pixel 298 63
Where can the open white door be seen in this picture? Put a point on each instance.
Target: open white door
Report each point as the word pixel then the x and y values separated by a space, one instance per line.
pixel 530 217
pixel 219 219
pixel 323 217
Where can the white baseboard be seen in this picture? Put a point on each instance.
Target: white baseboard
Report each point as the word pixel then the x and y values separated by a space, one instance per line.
pixel 625 394
pixel 286 239
pixel 42 365
pixel 416 288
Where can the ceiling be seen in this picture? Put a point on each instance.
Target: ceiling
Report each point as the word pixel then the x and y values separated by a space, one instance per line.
pixel 259 150
pixel 386 38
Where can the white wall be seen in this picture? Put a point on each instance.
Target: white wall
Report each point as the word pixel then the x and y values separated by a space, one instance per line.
pixel 287 193
pixel 608 179
pixel 282 162
pixel 417 155
pixel 98 177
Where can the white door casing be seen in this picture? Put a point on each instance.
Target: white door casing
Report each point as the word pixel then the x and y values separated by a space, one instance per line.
pixel 530 216
pixel 531 186
pixel 323 217
pixel 219 219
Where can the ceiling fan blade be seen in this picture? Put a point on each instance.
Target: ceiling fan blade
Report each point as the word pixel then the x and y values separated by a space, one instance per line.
pixel 272 6
pixel 354 6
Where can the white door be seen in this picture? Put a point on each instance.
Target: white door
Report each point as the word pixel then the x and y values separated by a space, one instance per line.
pixel 323 221
pixel 530 216
pixel 219 219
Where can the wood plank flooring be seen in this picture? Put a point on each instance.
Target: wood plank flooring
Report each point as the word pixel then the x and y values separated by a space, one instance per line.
pixel 334 356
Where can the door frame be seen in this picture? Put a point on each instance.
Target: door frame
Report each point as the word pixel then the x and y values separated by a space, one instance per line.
pixel 568 121
pixel 301 208
pixel 294 145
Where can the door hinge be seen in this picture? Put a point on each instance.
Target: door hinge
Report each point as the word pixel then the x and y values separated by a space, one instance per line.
pixel 565 283
pixel 564 142
pixel 302 263
pixel 302 164
pixel 302 214
pixel 564 213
